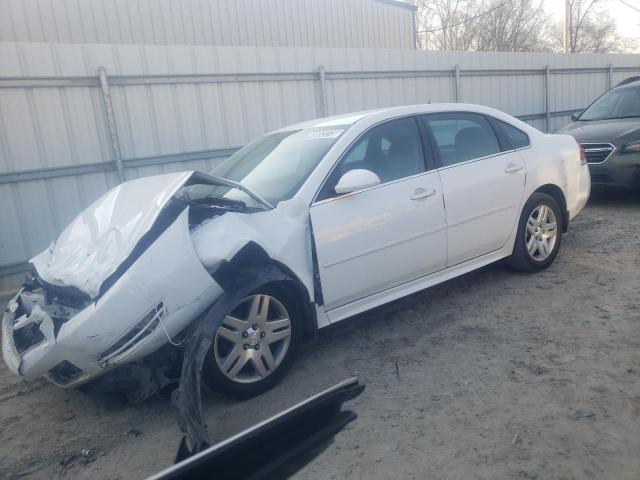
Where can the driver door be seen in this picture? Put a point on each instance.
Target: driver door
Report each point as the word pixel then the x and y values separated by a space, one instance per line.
pixel 371 240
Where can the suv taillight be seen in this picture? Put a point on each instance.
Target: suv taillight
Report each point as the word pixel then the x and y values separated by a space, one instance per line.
pixel 583 155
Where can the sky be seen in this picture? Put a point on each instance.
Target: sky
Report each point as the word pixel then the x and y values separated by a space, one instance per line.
pixel 628 20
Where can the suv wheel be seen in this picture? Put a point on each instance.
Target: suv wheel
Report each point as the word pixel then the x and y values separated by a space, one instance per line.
pixel 255 345
pixel 539 234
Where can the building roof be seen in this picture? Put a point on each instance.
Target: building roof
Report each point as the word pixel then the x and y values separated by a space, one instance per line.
pixel 399 3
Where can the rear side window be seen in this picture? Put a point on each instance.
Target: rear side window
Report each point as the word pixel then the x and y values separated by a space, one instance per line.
pixel 516 137
pixel 462 136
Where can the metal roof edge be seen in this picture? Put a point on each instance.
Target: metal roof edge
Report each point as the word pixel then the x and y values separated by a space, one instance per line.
pixel 399 3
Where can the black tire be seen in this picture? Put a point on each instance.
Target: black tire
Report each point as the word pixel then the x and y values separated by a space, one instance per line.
pixel 520 259
pixel 214 378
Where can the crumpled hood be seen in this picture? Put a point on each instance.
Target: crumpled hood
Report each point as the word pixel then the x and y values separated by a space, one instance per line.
pixel 100 238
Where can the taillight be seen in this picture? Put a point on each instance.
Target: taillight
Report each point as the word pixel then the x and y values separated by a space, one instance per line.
pixel 583 155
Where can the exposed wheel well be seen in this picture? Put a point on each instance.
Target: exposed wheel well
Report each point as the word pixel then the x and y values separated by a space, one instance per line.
pixel 557 194
pixel 253 255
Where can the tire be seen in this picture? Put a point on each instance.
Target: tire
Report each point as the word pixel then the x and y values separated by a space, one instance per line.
pixel 250 343
pixel 529 253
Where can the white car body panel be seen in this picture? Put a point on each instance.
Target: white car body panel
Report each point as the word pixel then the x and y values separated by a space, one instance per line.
pixel 372 246
pixel 557 165
pixel 380 237
pixel 399 291
pixel 222 238
pixel 483 199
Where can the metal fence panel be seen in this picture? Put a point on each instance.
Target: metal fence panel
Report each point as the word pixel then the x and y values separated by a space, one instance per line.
pixel 188 107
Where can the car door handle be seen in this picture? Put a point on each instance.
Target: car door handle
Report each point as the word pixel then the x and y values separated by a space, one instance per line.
pixel 421 193
pixel 513 168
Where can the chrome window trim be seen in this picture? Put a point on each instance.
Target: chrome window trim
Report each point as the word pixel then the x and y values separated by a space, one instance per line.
pixel 390 182
pixel 521 148
pixel 479 159
pixel 485 115
pixel 437 168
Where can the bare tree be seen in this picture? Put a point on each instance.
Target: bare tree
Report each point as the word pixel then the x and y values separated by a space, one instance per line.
pixel 516 26
pixel 488 25
pixel 591 30
pixel 580 23
pixel 443 24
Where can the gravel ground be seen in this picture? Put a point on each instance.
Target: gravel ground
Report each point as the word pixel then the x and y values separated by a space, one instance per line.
pixel 499 375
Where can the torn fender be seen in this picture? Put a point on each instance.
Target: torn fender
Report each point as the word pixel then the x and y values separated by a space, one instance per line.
pixel 285 238
pixel 188 397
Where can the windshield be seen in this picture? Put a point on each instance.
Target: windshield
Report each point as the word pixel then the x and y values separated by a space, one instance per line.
pixel 276 165
pixel 622 102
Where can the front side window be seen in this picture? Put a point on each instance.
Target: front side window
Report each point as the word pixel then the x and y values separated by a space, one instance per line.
pixel 276 165
pixel 462 136
pixel 392 151
pixel 621 102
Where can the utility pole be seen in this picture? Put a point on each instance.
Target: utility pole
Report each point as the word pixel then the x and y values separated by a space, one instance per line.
pixel 567 27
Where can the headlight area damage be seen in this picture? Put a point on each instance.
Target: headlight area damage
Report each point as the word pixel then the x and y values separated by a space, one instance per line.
pixel 110 301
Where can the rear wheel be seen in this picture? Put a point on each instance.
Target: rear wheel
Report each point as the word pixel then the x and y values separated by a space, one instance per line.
pixel 539 234
pixel 255 345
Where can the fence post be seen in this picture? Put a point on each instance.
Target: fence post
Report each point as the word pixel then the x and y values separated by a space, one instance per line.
pixel 324 107
pixel 610 76
pixel 547 109
pixel 456 72
pixel 111 122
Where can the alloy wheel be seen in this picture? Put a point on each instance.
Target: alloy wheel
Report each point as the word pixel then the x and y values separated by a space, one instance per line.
pixel 541 232
pixel 253 339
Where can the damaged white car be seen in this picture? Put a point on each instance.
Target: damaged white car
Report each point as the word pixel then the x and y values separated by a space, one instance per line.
pixel 302 228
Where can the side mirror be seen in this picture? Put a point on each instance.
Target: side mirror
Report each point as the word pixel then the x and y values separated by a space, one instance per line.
pixel 356 179
pixel 575 116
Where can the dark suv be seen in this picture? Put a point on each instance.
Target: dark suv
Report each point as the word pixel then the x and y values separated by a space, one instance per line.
pixel 609 131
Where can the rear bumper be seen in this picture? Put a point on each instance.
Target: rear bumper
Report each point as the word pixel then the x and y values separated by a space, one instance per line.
pixel 578 193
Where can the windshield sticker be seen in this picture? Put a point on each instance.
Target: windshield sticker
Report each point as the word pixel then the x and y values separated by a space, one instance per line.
pixel 323 134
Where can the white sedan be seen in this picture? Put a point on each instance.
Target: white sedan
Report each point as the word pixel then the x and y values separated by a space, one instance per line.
pixel 302 228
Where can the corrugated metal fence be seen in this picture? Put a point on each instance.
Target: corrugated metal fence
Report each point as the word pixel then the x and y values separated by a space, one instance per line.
pixel 285 23
pixel 68 133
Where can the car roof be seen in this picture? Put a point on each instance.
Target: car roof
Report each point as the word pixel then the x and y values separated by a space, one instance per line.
pixel 334 120
pixel 349 119
pixel 631 81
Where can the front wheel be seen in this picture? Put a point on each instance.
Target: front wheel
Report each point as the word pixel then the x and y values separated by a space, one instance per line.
pixel 539 234
pixel 255 345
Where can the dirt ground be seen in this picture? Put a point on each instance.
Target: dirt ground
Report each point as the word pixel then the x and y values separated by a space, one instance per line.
pixel 499 375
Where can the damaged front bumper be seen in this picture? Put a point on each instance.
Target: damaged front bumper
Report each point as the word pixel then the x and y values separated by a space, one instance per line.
pixel 29 329
pixel 150 305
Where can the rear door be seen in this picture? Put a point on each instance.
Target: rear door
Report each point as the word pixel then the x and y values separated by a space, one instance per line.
pixel 482 180
pixel 371 240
